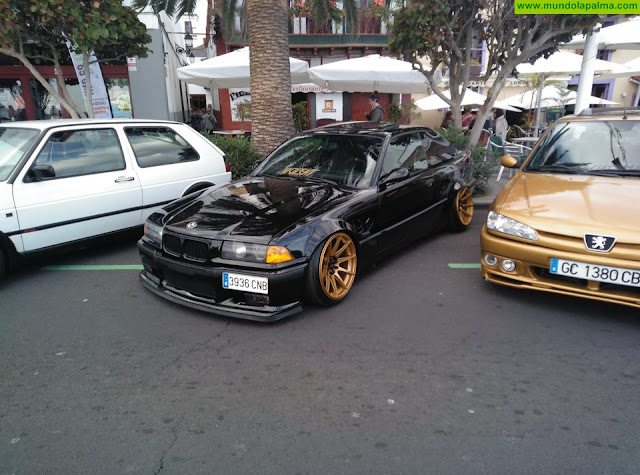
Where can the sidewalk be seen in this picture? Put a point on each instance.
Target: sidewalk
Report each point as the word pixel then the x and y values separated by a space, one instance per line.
pixel 494 187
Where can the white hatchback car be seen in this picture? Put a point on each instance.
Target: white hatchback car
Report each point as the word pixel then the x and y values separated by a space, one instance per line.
pixel 63 181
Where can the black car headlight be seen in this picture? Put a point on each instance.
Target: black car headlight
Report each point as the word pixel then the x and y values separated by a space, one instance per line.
pixel 153 231
pixel 255 252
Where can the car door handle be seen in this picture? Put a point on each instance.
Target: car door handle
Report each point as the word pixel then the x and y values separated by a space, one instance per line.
pixel 429 182
pixel 120 179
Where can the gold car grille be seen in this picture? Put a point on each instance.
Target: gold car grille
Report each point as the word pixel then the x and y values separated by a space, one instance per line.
pixel 575 245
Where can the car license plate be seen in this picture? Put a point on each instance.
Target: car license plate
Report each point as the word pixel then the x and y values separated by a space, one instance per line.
pixel 246 283
pixel 581 270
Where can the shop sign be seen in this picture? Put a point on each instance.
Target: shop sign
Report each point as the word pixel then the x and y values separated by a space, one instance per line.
pixel 329 106
pixel 237 97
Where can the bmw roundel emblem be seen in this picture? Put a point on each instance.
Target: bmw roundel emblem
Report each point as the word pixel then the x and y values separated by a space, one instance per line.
pixel 192 225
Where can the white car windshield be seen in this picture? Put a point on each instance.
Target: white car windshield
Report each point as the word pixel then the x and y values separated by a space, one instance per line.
pixel 598 147
pixel 13 145
pixel 346 160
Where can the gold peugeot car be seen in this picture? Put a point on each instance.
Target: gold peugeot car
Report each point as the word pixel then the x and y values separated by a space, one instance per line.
pixel 569 220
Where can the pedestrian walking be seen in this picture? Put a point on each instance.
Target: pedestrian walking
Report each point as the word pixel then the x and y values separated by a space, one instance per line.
pixel 447 121
pixel 209 121
pixel 502 126
pixel 195 120
pixel 377 112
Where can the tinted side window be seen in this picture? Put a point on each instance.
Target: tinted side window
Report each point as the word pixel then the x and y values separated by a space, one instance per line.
pixel 403 152
pixel 155 146
pixel 82 152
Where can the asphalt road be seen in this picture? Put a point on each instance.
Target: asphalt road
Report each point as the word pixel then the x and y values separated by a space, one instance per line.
pixel 424 368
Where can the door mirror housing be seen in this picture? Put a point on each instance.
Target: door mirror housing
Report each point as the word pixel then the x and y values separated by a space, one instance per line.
pixel 41 171
pixel 397 174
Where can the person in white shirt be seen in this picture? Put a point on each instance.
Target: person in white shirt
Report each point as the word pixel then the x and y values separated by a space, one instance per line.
pixel 502 126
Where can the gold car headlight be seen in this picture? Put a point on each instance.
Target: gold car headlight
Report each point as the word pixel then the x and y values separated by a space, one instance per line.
pixel 502 224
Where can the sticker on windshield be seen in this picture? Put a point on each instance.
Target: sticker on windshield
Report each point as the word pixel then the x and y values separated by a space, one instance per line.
pixel 298 171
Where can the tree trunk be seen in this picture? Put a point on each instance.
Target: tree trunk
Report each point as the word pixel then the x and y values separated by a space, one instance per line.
pixel 271 112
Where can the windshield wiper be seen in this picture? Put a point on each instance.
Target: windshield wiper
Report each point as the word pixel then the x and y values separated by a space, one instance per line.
pixel 632 173
pixel 320 179
pixel 557 168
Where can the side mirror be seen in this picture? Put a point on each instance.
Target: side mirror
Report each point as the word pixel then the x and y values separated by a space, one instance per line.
pixel 508 161
pixel 393 176
pixel 41 171
pixel 396 175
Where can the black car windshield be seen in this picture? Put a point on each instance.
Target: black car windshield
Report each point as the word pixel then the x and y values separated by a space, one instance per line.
pixel 347 160
pixel 13 144
pixel 597 147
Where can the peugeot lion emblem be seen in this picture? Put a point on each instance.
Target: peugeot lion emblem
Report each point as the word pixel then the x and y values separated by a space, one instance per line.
pixel 598 242
pixel 192 225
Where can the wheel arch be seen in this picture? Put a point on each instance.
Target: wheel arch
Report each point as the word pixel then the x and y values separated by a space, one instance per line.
pixel 326 229
pixel 9 251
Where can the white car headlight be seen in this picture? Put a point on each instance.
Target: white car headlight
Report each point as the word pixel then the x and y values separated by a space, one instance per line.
pixel 502 224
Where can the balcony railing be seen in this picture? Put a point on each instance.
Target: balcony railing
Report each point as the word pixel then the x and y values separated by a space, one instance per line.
pixel 369 25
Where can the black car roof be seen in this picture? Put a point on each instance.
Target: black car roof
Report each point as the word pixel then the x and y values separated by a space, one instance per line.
pixel 370 128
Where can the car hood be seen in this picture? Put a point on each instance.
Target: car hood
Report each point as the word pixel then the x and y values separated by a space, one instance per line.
pixel 573 205
pixel 254 208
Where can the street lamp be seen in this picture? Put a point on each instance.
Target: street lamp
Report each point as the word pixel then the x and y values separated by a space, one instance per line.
pixel 188 42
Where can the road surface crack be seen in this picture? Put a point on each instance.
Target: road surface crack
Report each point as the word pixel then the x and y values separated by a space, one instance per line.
pixel 165 451
pixel 197 346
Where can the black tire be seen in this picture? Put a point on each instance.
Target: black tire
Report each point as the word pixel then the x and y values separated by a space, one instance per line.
pixel 4 263
pixel 461 210
pixel 332 270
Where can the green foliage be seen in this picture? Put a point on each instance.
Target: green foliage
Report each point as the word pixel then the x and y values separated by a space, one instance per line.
pixel 455 135
pixel 484 166
pixel 405 113
pixel 484 162
pixel 240 153
pixel 301 119
pixel 394 113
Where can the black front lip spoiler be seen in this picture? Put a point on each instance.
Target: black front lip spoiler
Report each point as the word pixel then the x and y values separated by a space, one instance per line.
pixel 227 309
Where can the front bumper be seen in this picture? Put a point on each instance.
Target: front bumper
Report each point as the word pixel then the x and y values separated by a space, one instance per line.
pixel 200 287
pixel 532 264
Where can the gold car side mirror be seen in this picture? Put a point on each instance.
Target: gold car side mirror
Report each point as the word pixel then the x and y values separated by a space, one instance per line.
pixel 508 161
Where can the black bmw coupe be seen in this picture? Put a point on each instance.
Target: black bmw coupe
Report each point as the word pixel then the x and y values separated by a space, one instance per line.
pixel 314 213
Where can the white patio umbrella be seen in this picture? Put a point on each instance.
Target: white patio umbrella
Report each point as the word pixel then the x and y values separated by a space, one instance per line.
pixel 470 98
pixel 620 36
pixel 562 62
pixel 628 69
pixel 370 73
pixel 551 96
pixel 231 70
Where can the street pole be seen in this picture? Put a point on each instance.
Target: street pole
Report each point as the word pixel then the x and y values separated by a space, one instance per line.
pixel 586 71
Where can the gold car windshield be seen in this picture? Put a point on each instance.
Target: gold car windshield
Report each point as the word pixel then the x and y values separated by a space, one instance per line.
pixel 346 160
pixel 610 147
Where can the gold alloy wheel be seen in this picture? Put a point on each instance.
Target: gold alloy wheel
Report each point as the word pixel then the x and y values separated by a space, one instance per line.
pixel 337 266
pixel 464 205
